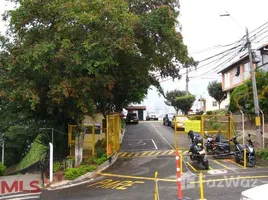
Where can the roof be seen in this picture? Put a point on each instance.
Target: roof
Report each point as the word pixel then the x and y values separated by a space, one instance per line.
pixel 241 59
pixel 136 108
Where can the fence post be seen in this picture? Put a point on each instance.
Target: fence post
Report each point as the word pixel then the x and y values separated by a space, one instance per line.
pixel 180 195
pixel 156 193
pixel 201 186
pixel 50 162
pixel 243 126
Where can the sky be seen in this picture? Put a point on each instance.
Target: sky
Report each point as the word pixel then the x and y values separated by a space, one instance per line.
pixel 203 30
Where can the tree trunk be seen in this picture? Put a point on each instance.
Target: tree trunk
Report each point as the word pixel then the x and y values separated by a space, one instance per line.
pixel 219 105
pixel 79 142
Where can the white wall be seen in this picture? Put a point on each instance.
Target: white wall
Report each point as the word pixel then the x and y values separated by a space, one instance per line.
pixel 210 107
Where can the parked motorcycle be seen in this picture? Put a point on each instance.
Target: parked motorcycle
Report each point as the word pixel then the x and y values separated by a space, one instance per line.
pixel 198 153
pixel 217 145
pixel 239 152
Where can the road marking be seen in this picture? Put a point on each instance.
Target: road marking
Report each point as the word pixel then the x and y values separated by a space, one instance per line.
pixel 228 160
pixel 163 137
pixel 191 166
pixel 154 144
pixel 146 153
pixel 136 177
pixel 22 196
pixel 221 164
pixel 231 178
pixel 210 168
pixel 115 184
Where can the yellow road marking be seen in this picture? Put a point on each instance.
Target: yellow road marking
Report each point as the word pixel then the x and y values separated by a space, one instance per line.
pixel 235 163
pixel 185 152
pixel 131 154
pixel 152 152
pixel 136 177
pixel 171 152
pixel 144 153
pixel 210 168
pixel 231 178
pixel 221 164
pixel 124 154
pixel 136 154
pixel 191 166
pixel 157 153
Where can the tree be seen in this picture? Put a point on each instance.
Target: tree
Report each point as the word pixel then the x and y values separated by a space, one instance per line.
pixel 171 98
pixel 242 96
pixel 66 59
pixel 180 100
pixel 215 91
pixel 185 103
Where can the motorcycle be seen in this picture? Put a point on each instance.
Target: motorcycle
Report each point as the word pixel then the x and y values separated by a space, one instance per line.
pixel 250 152
pixel 219 147
pixel 198 153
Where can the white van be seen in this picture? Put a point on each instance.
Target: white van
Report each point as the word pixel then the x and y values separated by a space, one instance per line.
pixel 255 193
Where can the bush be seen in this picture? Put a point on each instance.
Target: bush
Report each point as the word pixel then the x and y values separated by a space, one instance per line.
pixel 209 112
pixel 2 169
pixel 101 160
pixel 73 173
pixel 56 166
pixel 263 154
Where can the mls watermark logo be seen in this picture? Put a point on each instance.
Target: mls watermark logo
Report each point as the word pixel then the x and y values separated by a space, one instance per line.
pixel 29 183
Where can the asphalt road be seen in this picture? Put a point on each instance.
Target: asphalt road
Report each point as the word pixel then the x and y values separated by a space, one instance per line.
pixel 148 147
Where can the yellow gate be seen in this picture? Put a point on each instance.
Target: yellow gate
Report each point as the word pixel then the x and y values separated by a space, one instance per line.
pixel 113 131
pixel 201 124
pixel 89 140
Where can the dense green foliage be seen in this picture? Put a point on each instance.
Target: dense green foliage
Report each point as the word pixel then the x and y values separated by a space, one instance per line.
pixel 56 166
pixel 180 100
pixel 64 59
pixel 73 173
pixel 242 96
pixel 263 154
pixel 2 169
pixel 215 91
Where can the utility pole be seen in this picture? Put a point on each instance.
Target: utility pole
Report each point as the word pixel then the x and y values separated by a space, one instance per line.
pixel 255 93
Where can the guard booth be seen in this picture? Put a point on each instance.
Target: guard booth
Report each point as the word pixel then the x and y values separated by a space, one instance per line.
pixel 139 109
pixel 211 124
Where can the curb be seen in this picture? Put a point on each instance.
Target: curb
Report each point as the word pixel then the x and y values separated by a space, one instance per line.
pixel 88 177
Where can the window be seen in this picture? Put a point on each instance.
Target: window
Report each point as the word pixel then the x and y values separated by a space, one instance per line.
pixel 235 75
pixel 246 71
pixel 227 80
pixel 214 103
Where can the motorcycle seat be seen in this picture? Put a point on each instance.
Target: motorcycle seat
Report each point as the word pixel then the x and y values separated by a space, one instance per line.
pixel 240 146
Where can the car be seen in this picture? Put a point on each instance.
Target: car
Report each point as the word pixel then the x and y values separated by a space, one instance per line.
pixel 132 118
pixel 255 193
pixel 168 119
pixel 180 122
pixel 151 117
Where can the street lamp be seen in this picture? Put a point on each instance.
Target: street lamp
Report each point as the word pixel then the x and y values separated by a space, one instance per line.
pixel 254 86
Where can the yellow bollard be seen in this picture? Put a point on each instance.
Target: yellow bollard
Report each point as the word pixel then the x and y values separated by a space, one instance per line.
pixel 245 158
pixel 156 194
pixel 181 162
pixel 201 186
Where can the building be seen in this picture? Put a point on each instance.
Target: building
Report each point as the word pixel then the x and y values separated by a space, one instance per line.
pixel 239 71
pixel 139 109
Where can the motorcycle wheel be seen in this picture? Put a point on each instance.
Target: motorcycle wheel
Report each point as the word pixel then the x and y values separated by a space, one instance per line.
pixel 251 162
pixel 237 160
pixel 205 164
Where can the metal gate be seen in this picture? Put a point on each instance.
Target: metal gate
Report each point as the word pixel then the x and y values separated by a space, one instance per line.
pixel 113 131
pixel 201 124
